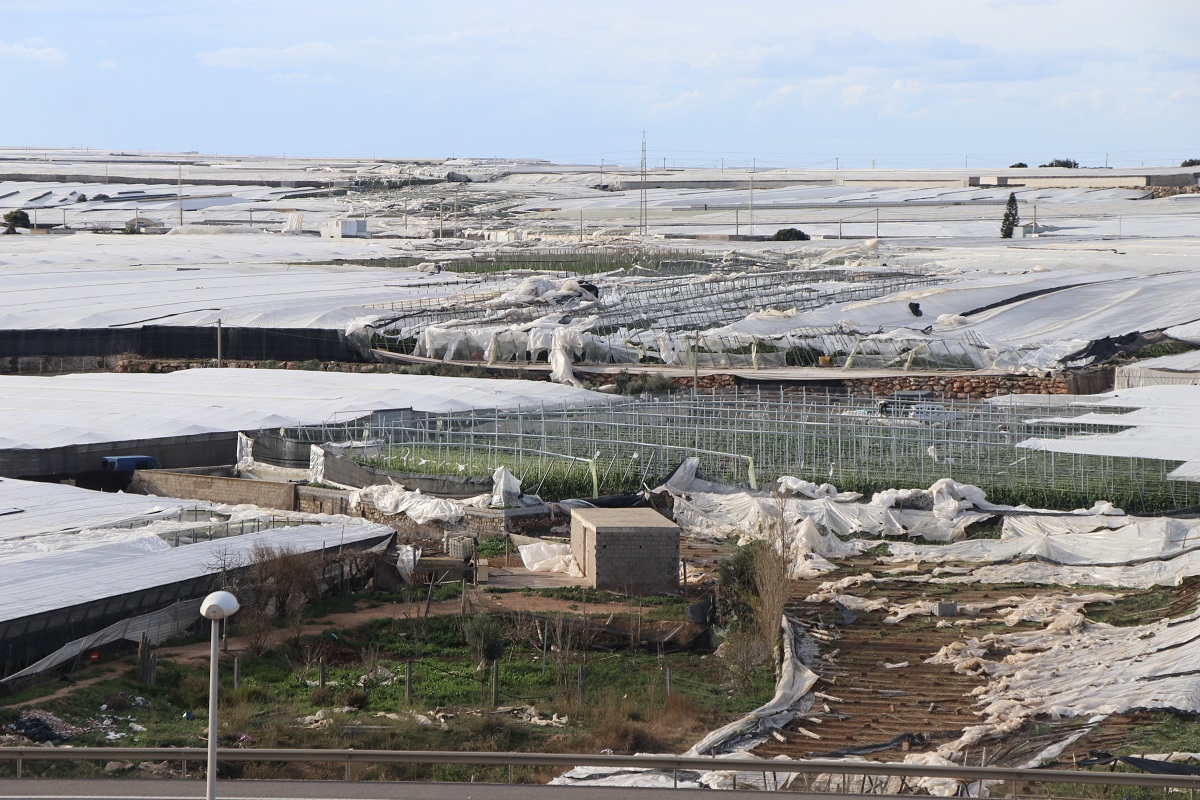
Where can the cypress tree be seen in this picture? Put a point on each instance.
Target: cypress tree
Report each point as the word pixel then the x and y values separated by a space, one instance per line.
pixel 1011 217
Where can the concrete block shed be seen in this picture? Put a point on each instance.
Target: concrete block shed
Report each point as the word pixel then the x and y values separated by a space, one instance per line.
pixel 631 550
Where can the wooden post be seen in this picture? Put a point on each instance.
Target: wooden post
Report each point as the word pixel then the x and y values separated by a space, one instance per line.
pixel 545 646
pixel 495 683
pixel 237 672
pixel 668 682
pixel 408 682
pixel 321 673
pixel 582 687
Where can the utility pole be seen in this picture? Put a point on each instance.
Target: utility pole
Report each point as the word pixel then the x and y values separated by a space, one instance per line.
pixel 737 222
pixel 180 194
pixel 218 344
pixel 643 214
pixel 456 212
pixel 877 223
pixel 581 225
pixel 751 202
pixel 837 163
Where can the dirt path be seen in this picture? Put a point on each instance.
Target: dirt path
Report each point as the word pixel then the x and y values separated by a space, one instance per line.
pixel 476 601
pixel 69 688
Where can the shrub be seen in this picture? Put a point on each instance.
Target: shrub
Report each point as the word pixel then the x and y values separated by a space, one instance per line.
pixel 791 235
pixel 1191 162
pixel 1018 165
pixel 17 219
pixel 355 698
pixel 1065 163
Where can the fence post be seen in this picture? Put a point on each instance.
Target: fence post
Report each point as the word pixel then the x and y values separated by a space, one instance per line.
pixel 237 672
pixel 408 682
pixel 582 687
pixel 496 690
pixel 321 673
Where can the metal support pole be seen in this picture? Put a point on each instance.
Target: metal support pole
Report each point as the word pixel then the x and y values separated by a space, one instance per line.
pixel 214 656
pixel 218 344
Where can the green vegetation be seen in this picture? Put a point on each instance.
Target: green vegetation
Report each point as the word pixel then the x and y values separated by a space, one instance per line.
pixel 625 709
pixel 1019 165
pixel 646 383
pixel 1065 163
pixel 790 235
pixel 17 219
pixel 1011 217
pixel 1135 608
pixel 1190 162
pixel 1167 347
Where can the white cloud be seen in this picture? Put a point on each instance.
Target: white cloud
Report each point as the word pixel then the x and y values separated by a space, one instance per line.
pixel 854 94
pixel 108 64
pixel 271 59
pixel 301 78
pixel 33 52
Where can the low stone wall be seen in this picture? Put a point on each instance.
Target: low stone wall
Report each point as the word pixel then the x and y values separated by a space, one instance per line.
pixel 215 489
pixel 312 500
pixel 499 521
pixel 976 387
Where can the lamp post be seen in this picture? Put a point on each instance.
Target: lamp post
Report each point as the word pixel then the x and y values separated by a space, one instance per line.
pixel 216 607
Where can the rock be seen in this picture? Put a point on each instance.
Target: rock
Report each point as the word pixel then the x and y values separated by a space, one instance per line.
pixel 118 766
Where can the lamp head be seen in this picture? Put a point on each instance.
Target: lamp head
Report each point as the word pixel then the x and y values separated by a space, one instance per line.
pixel 219 605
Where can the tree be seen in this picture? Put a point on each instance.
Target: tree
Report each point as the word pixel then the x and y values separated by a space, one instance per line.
pixel 790 235
pixel 1191 162
pixel 1019 165
pixel 1011 217
pixel 17 219
pixel 1065 163
pixel 487 642
pixel 81 198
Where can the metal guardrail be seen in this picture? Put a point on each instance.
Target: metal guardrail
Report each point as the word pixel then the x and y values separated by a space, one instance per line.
pixel 1012 776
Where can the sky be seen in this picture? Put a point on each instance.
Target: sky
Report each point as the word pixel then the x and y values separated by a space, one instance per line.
pixel 853 84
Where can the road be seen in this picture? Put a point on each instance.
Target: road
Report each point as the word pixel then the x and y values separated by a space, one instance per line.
pixel 149 789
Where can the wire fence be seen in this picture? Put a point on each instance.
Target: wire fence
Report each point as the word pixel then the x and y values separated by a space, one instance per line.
pixel 752 438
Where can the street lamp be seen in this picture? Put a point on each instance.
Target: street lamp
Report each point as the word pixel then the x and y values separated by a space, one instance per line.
pixel 217 606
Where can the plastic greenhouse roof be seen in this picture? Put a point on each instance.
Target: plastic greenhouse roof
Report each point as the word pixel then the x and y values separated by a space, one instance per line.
pixel 59 579
pixel 45 412
pixel 33 508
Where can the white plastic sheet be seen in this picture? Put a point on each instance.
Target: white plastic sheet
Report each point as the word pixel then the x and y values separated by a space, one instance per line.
pixel 549 557
pixel 506 491
pixel 420 508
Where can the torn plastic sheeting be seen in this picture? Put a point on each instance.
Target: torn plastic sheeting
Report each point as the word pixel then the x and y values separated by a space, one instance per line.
pixel 1139 540
pixel 406 559
pixel 789 485
pixel 506 491
pixel 1081 670
pixel 1146 575
pixel 1153 766
pixel 549 557
pixel 915 739
pixel 395 499
pixel 795 681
